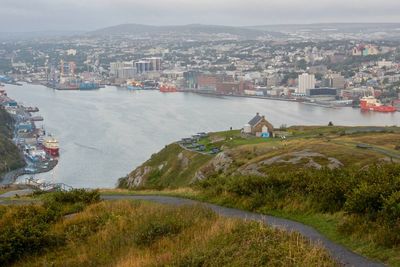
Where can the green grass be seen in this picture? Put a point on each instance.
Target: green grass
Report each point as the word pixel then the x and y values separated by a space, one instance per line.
pixel 166 169
pixel 325 223
pixel 349 206
pixel 329 141
pixel 137 233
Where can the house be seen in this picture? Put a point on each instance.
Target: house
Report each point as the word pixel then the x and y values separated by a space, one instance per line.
pixel 259 126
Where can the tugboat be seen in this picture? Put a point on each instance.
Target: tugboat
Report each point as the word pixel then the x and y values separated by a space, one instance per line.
pixel 370 103
pixel 51 146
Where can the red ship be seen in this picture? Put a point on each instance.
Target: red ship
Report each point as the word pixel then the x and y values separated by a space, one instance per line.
pixel 167 88
pixel 370 103
pixel 50 145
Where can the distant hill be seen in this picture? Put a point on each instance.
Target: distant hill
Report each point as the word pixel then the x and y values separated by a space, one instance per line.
pixel 36 34
pixel 340 27
pixel 139 29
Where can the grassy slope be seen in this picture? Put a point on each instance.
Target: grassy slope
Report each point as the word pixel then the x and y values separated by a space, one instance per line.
pixel 325 223
pixel 133 233
pixel 330 141
pixel 337 142
pixel 10 157
pixel 173 173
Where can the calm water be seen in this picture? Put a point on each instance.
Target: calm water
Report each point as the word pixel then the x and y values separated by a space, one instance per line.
pixel 105 134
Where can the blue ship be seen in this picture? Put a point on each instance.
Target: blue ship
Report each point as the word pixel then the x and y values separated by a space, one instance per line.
pixel 134 87
pixel 88 86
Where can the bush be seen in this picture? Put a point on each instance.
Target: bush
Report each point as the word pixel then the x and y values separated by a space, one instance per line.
pixel 375 184
pixel 76 196
pixel 370 195
pixel 158 228
pixel 25 230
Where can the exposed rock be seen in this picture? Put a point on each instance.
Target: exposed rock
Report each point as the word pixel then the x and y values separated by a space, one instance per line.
pixel 312 164
pixel 220 163
pixel 137 177
pixel 297 157
pixel 198 176
pixel 251 169
pixel 184 161
pixel 389 160
pixel 161 166
pixel 334 163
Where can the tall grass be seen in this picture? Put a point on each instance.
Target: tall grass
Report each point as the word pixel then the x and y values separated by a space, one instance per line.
pixel 369 198
pixel 127 233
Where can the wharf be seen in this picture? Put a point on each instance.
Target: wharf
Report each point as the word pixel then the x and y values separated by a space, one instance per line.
pixel 28 139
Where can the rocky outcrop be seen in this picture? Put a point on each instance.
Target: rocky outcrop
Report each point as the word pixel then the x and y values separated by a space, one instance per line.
pixel 137 178
pixel 183 160
pixel 306 157
pixel 220 163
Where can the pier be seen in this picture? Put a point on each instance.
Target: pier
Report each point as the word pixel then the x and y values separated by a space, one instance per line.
pixel 29 139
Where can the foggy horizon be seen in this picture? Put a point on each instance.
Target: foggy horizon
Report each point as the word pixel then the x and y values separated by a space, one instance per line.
pixel 88 15
pixel 186 24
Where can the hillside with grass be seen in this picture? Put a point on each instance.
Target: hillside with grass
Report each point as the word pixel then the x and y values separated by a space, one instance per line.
pixel 10 157
pixel 77 229
pixel 344 181
pixel 311 148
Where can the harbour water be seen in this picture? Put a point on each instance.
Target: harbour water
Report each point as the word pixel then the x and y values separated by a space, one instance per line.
pixel 104 134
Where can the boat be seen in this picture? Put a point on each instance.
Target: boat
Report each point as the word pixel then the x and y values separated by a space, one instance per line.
pixel 133 85
pixel 370 103
pixel 36 118
pixel 88 86
pixel 32 109
pixel 67 86
pixel 51 146
pixel 150 85
pixel 165 88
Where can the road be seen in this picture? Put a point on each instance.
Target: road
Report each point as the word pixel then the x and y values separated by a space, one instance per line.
pixel 340 253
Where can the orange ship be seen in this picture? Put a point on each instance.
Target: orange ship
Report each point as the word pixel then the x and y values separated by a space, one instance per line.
pixel 164 88
pixel 370 103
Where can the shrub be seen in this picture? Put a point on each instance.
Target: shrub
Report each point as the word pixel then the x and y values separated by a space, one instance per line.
pixel 369 197
pixel 76 196
pixel 24 230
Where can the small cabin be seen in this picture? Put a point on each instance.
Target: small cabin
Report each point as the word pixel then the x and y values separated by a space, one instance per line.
pixel 260 127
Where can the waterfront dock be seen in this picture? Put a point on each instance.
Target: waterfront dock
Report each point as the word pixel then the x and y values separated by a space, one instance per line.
pixel 29 139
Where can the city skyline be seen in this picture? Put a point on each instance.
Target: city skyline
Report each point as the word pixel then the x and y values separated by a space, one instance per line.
pixel 86 15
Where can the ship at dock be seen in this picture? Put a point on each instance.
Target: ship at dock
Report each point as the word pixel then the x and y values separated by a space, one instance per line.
pixel 77 85
pixel 370 103
pixel 134 85
pixel 167 88
pixel 51 146
pixel 68 80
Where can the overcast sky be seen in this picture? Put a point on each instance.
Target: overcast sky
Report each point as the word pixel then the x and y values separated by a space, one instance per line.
pixel 65 15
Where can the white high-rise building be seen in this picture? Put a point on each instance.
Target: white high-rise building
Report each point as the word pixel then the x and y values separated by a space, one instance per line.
pixel 306 81
pixel 155 63
pixel 119 67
